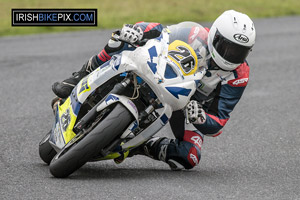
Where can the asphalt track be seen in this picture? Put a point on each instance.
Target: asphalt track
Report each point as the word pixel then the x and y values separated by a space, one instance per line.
pixel 257 156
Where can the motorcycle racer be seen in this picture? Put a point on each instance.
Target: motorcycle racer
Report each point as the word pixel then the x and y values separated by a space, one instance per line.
pixel 230 40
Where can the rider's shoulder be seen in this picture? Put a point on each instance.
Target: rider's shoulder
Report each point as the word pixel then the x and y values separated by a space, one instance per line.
pixel 241 76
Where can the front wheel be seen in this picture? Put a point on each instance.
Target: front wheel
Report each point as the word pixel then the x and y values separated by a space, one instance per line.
pixel 75 155
pixel 46 151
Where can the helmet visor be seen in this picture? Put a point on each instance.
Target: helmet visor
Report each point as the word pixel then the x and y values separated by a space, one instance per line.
pixel 229 50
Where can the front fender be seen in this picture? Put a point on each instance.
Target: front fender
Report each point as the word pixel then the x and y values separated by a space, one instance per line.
pixel 114 98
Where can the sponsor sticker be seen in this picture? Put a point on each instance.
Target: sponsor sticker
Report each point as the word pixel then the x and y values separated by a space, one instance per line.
pixel 132 105
pixel 194 158
pixel 241 38
pixel 240 81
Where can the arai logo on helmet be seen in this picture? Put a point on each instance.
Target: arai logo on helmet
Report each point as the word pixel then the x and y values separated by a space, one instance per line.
pixel 241 38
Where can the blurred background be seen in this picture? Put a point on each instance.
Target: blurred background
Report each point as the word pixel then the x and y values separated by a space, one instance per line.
pixel 113 14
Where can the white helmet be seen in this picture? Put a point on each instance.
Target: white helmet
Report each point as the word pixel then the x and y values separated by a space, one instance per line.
pixel 230 39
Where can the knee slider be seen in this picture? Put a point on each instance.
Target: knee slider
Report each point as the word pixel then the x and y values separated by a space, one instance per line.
pixel 174 165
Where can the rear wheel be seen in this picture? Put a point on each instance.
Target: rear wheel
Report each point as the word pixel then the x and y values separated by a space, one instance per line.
pixel 46 151
pixel 76 154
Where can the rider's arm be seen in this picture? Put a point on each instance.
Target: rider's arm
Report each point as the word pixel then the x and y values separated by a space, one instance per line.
pixel 151 30
pixel 229 95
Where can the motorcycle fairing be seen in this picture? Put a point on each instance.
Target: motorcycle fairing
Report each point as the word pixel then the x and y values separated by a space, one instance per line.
pixel 65 118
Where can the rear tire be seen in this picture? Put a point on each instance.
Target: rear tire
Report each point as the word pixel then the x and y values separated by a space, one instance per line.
pixel 46 151
pixel 73 156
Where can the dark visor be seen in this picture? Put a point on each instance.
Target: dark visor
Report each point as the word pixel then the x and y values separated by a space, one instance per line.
pixel 230 51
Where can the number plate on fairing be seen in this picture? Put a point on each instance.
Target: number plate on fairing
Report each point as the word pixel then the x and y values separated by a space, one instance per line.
pixel 183 56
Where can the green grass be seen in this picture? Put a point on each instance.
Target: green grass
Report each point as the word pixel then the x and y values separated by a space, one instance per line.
pixel 114 13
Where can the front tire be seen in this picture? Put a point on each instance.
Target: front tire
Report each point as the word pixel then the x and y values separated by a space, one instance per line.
pixel 46 151
pixel 73 156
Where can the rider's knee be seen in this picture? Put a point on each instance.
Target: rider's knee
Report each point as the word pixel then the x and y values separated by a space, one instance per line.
pixel 187 158
pixel 185 153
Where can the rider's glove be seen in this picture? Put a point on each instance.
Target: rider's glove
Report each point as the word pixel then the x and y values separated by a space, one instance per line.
pixel 195 113
pixel 131 33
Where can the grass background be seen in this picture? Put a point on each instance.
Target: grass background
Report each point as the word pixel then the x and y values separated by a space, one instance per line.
pixel 114 13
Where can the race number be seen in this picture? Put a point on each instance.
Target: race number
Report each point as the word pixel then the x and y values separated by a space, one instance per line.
pixel 183 56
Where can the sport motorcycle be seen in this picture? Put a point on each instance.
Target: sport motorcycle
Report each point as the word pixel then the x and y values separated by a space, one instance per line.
pixel 126 101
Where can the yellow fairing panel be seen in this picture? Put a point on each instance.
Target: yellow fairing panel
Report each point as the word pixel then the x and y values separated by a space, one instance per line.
pixel 67 120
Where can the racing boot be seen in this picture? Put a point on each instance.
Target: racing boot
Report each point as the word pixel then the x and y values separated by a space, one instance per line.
pixel 154 148
pixel 63 89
